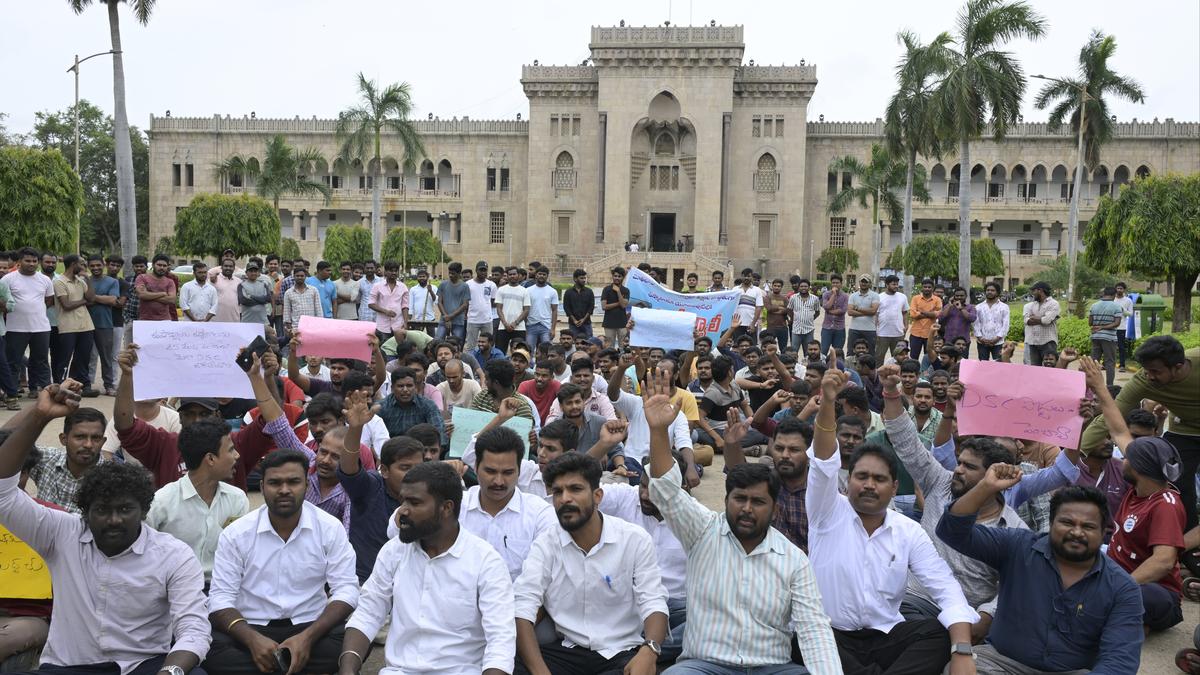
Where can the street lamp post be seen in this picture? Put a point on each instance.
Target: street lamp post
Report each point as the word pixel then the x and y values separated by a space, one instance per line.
pixel 75 67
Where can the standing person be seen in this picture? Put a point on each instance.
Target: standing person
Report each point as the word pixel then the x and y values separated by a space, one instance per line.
pixel 323 283
pixel 198 298
pixel 479 310
pixel 8 382
pixel 28 327
pixel 368 280
pixel 133 299
pixel 803 308
pixel 274 276
pixel 226 283
pixel 718 281
pixel 106 294
pixel 956 319
pixel 157 292
pixel 1126 304
pixel 76 333
pixel 693 280
pixel 991 323
pixel 1104 317
pixel 543 310
pixel 891 319
pixel 835 303
pixel 512 308
pixel 454 299
pixel 389 301
pixel 861 308
pixel 579 301
pixel 423 301
pixel 49 266
pixel 749 306
pixel 114 263
pixel 254 296
pixel 777 313
pixel 614 299
pixel 924 311
pixel 299 300
pixel 346 294
pixel 1041 323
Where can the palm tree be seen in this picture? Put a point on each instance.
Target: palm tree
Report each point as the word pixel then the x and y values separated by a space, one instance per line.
pixel 126 201
pixel 360 133
pixel 983 84
pixel 284 170
pixel 910 126
pixel 876 181
pixel 1097 79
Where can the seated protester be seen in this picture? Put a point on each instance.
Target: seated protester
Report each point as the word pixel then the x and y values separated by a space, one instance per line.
pixel 1150 520
pixel 542 389
pixel 788 452
pixel 556 438
pixel 761 385
pixel 929 360
pixel 145 588
pixel 196 508
pixel 749 590
pixel 269 578
pixel 1039 575
pixel 854 401
pixel 153 412
pixel 338 369
pixel 863 553
pixel 751 355
pixel 325 415
pixel 606 360
pixel 445 591
pixel 1101 470
pixel 595 435
pixel 443 353
pixel 375 433
pixel 597 578
pixel 948 359
pixel 499 377
pixel 928 422
pixel 420 366
pixel 430 441
pixel 456 391
pixel 939 380
pixel 485 350
pixel 24 623
pixel 558 363
pixel 405 408
pixel 703 380
pixel 910 374
pixel 595 402
pixel 637 443
pixel 860 348
pixel 520 359
pixel 865 366
pixel 60 471
pixel 722 395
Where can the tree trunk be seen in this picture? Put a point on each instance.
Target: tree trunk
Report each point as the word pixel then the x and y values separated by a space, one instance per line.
pixel 906 233
pixel 376 230
pixel 126 200
pixel 964 213
pixel 1184 282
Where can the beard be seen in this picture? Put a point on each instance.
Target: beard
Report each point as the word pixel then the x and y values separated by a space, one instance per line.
pixel 411 531
pixel 789 470
pixel 745 528
pixel 958 488
pixel 1060 549
pixel 572 517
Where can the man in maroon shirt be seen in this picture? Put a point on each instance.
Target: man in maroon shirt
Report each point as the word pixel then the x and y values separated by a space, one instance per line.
pixel 157 292
pixel 542 389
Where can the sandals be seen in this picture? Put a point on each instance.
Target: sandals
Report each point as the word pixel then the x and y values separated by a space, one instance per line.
pixel 1188 661
pixel 1191 588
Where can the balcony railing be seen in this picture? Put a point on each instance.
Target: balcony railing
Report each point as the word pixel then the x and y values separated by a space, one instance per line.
pixel 403 194
pixel 1031 202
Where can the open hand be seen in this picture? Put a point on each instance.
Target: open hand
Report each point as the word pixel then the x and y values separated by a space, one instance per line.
pixel 1093 375
pixel 358 408
pixel 736 428
pixel 657 406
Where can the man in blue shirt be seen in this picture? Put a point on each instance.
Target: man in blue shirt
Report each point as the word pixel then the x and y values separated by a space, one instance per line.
pixel 484 350
pixel 1064 607
pixel 325 287
pixel 106 294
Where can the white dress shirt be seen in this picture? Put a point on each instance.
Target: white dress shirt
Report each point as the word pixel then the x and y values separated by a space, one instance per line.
pixel 179 511
pixel 625 502
pixel 422 303
pixel 375 434
pixel 862 577
pixel 992 321
pixel 201 301
pixel 599 600
pixel 266 578
pixel 512 531
pixel 637 440
pixel 451 615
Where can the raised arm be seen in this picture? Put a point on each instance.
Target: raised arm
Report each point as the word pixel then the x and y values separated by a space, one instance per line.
pixel 53 402
pixel 294 373
pixel 1113 419
pixel 825 444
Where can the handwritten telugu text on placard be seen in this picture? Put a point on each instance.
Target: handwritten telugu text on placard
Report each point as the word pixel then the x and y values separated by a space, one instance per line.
pixel 1030 402
pixel 23 573
pixel 187 358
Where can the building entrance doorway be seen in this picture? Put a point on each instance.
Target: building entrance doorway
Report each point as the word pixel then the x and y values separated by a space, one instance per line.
pixel 662 232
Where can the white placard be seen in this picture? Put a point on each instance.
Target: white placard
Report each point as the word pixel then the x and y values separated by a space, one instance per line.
pixel 187 358
pixel 662 328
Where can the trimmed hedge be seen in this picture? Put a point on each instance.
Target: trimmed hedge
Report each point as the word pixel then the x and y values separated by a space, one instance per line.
pixel 1076 333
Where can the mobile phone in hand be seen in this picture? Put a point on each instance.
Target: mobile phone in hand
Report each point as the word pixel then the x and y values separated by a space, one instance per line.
pixel 246 358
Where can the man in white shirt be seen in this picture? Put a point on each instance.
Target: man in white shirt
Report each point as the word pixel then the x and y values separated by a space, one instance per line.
pixel 749 306
pixel 267 599
pixel 543 310
pixel 598 580
pixel 423 304
pixel 862 553
pixel 1126 304
pixel 891 318
pixel 198 297
pixel 479 308
pixel 512 308
pixel 28 325
pixel 196 508
pixel 446 591
pixel 991 323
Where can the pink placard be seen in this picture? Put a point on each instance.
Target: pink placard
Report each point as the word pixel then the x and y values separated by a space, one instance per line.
pixel 335 338
pixel 1029 402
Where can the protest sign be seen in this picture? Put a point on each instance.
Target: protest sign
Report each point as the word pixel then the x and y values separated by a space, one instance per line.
pixel 662 328
pixel 335 338
pixel 1030 402
pixel 714 309
pixel 23 573
pixel 468 422
pixel 187 358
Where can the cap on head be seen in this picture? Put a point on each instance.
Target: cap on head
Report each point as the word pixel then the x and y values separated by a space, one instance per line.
pixel 207 403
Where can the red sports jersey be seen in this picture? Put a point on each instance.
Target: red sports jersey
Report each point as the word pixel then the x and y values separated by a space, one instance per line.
pixel 1146 522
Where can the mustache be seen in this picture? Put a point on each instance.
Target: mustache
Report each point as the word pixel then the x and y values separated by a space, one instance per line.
pixel 563 510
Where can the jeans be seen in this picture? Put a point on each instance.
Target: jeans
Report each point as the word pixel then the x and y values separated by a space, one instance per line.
pixel 74 356
pixel 698 667
pixel 986 352
pixel 39 356
pixel 855 335
pixel 1107 349
pixel 800 341
pixel 537 333
pixel 1122 347
pixel 580 331
pixel 916 345
pixel 8 375
pixel 503 337
pixel 1160 607
pixel 473 331
pixel 1189 456
pixel 833 337
pixel 677 622
pixel 458 330
pixel 780 334
pixel 106 353
pixel 988 661
pixel 1034 352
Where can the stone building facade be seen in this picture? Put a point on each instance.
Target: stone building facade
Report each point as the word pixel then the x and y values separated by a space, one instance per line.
pixel 664 137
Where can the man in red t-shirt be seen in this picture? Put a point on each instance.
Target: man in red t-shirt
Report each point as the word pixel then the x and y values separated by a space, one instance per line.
pixel 157 292
pixel 542 389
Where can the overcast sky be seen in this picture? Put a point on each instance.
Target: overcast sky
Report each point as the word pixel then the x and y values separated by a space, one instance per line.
pixel 282 58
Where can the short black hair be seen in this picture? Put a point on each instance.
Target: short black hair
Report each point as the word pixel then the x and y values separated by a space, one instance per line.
pixel 398 448
pixel 425 433
pixel 498 441
pixel 988 450
pixel 404 372
pixel 278 458
pixel 852 421
pixel 575 462
pixel 500 371
pixel 109 481
pixel 1142 418
pixel 324 403
pixel 201 438
pixel 994 285
pixel 800 387
pixel 922 384
pixel 910 366
pixel 819 367
pixel 1079 493
pixel 564 432
pixel 866 361
pixel 440 481
pixel 891 278
pixel 794 425
pixel 82 415
pixel 354 380
pixel 582 364
pixel 162 257
pixel 567 390
pixel 872 449
pixel 137 259
pixel 1162 348
pixel 748 475
pixel 940 373
pixel 855 396
pixel 722 366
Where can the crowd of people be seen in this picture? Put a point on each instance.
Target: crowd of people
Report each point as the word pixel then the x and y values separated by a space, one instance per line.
pixel 860 532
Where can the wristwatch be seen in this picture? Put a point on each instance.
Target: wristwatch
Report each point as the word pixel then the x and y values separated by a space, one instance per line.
pixel 962 649
pixel 654 647
pixel 172 670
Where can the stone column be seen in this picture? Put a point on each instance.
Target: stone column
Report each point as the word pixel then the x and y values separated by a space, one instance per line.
pixel 313 224
pixel 296 226
pixel 366 219
pixel 454 234
pixel 887 236
pixel 1045 247
pixel 985 229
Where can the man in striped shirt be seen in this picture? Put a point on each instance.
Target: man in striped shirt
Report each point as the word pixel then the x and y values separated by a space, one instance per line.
pixel 748 587
pixel 300 300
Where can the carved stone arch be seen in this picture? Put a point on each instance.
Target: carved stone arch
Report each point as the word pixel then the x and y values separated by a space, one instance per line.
pixel 1142 171
pixel 564 159
pixel 999 174
pixel 664 107
pixel 1019 174
pixel 767 150
pixel 937 172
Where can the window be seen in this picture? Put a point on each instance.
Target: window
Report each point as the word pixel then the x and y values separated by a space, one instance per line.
pixel 332 217
pixel 779 126
pixel 764 232
pixel 575 123
pixel 393 182
pixel 837 232
pixel 176 175
pixel 756 127
pixel 235 180
pixel 564 229
pixel 338 183
pixel 766 126
pixel 766 179
pixel 564 171
pixel 952 189
pixel 491 180
pixel 190 173
pixel 831 184
pixel 1105 188
pixel 554 125
pixel 845 180
pixel 952 227
pixel 1025 247
pixel 769 127
pixel 366 182
pixel 664 177
pixel 664 145
pixel 496 227
pixel 996 190
pixel 396 217
pixel 1067 191
pixel 1026 228
pixel 503 180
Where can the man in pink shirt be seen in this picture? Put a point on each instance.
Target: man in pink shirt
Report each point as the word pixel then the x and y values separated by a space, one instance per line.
pixel 389 301
pixel 226 283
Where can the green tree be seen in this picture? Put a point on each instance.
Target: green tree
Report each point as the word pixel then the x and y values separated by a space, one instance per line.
pixel 1151 228
pixel 986 259
pixel 1097 79
pixel 837 260
pixel 284 170
pixel 288 248
pixel 166 246
pixel 99 225
pixel 126 197
pixel 933 256
pixel 7 137
pixel 983 83
pixel 423 248
pixel 360 134
pixel 213 222
pixel 40 197
pixel 347 242
pixel 876 182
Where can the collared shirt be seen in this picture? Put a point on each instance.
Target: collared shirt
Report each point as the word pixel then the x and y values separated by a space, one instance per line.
pixel 835 310
pixel 450 615
pixel 179 511
pixel 326 290
pixel 513 529
pixel 1103 313
pixel 297 304
pixel 399 418
pixel 371 505
pixel 199 300
pixel 1110 482
pixel 637 439
pixel 227 303
pixel 957 322
pixel 54 480
pixel 132 300
pixel 77 320
pixel 1047 329
pixel 804 311
pixel 423 301
pixel 336 502
pixel 579 303
pixel 922 327
pixel 1094 625
pixel 597 404
pixel 600 599
pixel 791 516
pixel 863 577
pixel 743 608
pixel 625 502
pixel 347 309
pixel 393 299
pixel 992 321
pixel 365 313
pixel 266 578
pixel 144 602
pixel 860 300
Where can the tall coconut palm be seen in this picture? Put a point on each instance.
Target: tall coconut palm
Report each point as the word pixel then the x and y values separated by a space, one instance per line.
pixel 284 170
pixel 910 125
pixel 126 200
pixel 360 133
pixel 1097 79
pixel 983 84
pixel 876 181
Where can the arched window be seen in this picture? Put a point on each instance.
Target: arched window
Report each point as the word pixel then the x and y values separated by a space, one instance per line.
pixel 563 176
pixel 766 162
pixel 766 179
pixel 564 161
pixel 664 145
